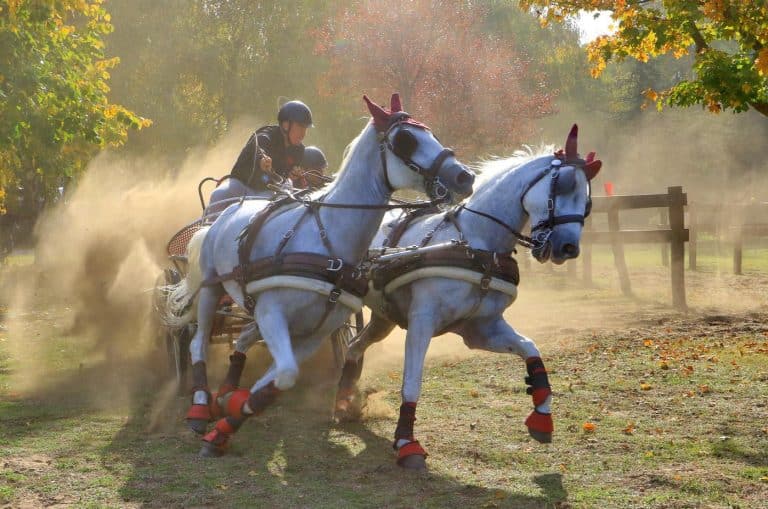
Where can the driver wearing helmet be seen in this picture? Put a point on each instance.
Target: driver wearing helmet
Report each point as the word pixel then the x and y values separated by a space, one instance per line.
pixel 269 156
pixel 311 173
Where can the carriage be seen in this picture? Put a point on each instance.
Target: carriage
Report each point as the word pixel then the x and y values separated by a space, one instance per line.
pixel 230 318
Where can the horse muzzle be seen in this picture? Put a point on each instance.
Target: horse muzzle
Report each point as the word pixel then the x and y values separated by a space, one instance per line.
pixel 458 180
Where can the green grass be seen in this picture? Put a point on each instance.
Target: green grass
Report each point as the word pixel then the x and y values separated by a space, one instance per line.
pixel 677 403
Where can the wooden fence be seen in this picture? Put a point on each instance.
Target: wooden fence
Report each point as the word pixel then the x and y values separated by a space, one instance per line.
pixel 675 235
pixel 728 224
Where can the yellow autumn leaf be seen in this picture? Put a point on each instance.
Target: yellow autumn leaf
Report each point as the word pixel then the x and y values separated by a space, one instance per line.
pixel 646 387
pixel 648 342
pixel 762 62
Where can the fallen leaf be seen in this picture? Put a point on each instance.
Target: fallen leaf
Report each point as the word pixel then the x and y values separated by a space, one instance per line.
pixel 648 342
pixel 474 393
pixel 589 427
pixel 646 387
pixel 630 428
pixel 704 389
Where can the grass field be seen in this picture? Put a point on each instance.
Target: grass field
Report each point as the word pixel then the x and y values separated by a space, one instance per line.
pixel 653 408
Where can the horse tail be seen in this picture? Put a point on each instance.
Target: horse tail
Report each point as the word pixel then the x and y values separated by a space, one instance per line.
pixel 181 303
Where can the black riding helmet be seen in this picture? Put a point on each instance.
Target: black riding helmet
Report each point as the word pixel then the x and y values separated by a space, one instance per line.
pixel 314 159
pixel 295 111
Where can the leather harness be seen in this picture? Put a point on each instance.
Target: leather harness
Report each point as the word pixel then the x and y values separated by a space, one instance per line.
pixel 457 254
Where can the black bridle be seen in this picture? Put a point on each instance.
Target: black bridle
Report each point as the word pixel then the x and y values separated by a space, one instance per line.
pixel 435 189
pixel 542 230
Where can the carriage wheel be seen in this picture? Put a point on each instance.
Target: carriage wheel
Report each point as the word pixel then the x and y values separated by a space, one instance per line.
pixel 177 349
pixel 343 337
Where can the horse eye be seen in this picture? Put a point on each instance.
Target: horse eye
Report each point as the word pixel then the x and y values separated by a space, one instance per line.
pixel 566 180
pixel 404 143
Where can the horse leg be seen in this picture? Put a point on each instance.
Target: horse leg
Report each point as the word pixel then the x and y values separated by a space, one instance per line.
pixel 347 406
pixel 248 336
pixel 498 336
pixel 243 404
pixel 421 328
pixel 200 412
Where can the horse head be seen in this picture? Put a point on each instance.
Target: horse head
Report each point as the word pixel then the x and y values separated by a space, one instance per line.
pixel 410 152
pixel 559 200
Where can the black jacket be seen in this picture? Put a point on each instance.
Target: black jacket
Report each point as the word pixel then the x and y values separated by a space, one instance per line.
pixel 247 168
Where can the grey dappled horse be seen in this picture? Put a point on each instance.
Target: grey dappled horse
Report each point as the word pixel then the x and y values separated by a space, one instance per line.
pixel 553 192
pixel 293 315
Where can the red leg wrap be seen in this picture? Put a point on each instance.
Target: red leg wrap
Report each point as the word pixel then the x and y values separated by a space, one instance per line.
pixel 540 422
pixel 220 434
pixel 540 395
pixel 236 401
pixel 200 412
pixel 412 448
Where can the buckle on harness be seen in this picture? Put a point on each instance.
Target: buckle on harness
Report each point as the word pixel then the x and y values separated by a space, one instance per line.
pixel 485 282
pixel 335 265
pixel 333 297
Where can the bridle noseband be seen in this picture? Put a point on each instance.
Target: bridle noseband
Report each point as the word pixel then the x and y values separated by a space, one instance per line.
pixel 434 187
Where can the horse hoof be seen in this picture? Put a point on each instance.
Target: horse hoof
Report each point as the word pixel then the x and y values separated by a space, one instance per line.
pixel 209 450
pixel 199 426
pixel 540 436
pixel 414 462
pixel 347 411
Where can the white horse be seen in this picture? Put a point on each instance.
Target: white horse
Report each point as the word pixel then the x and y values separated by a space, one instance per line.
pixel 554 192
pixel 297 309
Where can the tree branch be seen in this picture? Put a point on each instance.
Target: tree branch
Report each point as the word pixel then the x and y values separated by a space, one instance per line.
pixel 698 39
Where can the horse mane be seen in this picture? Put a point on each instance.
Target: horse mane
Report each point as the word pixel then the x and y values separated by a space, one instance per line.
pixel 346 157
pixel 494 166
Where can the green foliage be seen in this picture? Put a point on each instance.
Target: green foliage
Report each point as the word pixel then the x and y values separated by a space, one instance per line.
pixel 726 38
pixel 54 110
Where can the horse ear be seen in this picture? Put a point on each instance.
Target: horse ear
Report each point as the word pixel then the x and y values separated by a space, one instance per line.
pixel 571 151
pixel 380 117
pixel 394 103
pixel 593 166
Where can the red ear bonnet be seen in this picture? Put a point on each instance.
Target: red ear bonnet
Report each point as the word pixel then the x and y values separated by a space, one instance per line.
pixel 593 166
pixel 380 116
pixel 394 103
pixel 571 151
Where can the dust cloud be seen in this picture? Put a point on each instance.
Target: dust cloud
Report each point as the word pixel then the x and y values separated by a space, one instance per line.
pixel 80 317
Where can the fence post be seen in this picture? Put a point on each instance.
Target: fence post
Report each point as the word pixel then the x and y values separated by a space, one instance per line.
pixel 738 244
pixel 677 202
pixel 664 223
pixel 618 249
pixel 692 232
pixel 586 255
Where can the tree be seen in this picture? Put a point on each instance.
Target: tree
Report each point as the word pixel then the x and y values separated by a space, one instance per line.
pixel 478 90
pixel 198 65
pixel 728 40
pixel 54 109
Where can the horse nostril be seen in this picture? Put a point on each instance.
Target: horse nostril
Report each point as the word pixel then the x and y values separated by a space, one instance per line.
pixel 465 178
pixel 571 250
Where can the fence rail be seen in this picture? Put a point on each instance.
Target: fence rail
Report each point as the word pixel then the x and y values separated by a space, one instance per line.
pixel 676 235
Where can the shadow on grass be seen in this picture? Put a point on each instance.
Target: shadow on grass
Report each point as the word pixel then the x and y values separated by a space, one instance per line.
pixel 135 450
pixel 291 456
